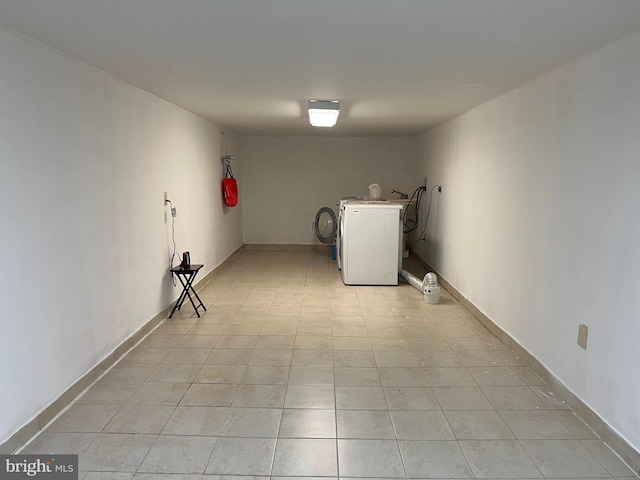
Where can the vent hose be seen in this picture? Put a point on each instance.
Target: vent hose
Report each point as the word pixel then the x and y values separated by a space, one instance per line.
pixel 418 284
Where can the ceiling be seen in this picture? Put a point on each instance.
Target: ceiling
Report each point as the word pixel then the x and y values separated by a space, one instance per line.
pixel 397 66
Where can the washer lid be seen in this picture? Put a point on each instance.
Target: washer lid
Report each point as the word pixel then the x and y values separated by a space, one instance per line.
pixel 325 225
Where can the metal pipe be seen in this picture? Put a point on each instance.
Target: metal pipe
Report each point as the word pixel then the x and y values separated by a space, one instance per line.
pixel 402 195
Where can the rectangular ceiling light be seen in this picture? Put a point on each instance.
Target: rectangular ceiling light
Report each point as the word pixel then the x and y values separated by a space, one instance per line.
pixel 323 113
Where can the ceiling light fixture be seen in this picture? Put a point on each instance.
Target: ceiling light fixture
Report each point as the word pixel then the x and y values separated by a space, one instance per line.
pixel 323 113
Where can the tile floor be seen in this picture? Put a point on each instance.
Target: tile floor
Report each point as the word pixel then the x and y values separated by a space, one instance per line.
pixel 290 373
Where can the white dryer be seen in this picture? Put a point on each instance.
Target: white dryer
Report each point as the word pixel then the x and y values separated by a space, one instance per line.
pixel 340 222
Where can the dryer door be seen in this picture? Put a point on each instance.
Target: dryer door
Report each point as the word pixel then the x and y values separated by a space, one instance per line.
pixel 325 225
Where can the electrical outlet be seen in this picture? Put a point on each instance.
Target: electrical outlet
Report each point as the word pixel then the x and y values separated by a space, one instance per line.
pixel 583 331
pixel 165 197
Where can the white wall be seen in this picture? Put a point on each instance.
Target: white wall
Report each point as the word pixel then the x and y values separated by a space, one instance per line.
pixel 285 180
pixel 538 224
pixel 84 162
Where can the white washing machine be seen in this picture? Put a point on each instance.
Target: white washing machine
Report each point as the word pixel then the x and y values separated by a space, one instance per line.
pixel 370 235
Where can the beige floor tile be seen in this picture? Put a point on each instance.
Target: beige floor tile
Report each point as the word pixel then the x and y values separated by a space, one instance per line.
pixel 527 376
pixel 198 341
pixel 276 342
pixel 252 422
pixel 271 357
pixel 280 328
pixel 542 424
pixel 402 377
pixel 313 342
pixel 411 398
pixel 395 358
pixel 171 373
pixel 159 394
pixel 421 425
pixel 479 358
pixel 478 425
pixel 84 418
pixel 548 397
pixel 494 376
pixel 499 459
pixel 563 458
pixel 139 419
pixel 266 375
pixel 513 398
pixel 351 358
pixel 363 398
pixel 311 375
pixel 237 341
pixel 267 396
pixel 511 358
pixel 305 457
pixel 609 460
pixel 102 393
pixel 112 452
pixel 207 329
pixel 349 330
pixel 242 456
pixel 314 329
pixel 356 377
pixel 370 458
pixel 178 454
pixel 60 443
pixel 134 373
pixel 241 329
pixel 374 424
pixel 389 344
pixel 201 421
pixel 312 357
pixel 220 374
pixel 209 395
pixel 434 459
pixel 437 358
pixel 229 356
pixel 309 396
pixel 351 344
pixel 170 476
pixel 421 345
pixel 308 423
pixel 142 354
pixel 578 427
pixel 449 377
pixel 170 328
pixel 462 398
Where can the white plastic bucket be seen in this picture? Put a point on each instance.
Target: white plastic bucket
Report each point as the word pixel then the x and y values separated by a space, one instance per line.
pixel 432 295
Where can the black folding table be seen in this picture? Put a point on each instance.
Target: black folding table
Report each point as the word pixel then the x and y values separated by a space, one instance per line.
pixel 187 275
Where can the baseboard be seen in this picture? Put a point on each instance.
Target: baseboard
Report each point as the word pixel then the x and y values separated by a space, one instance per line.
pixel 35 425
pixel 616 442
pixel 287 247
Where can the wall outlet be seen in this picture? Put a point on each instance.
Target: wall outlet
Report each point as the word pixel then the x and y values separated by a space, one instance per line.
pixel 165 197
pixel 583 331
